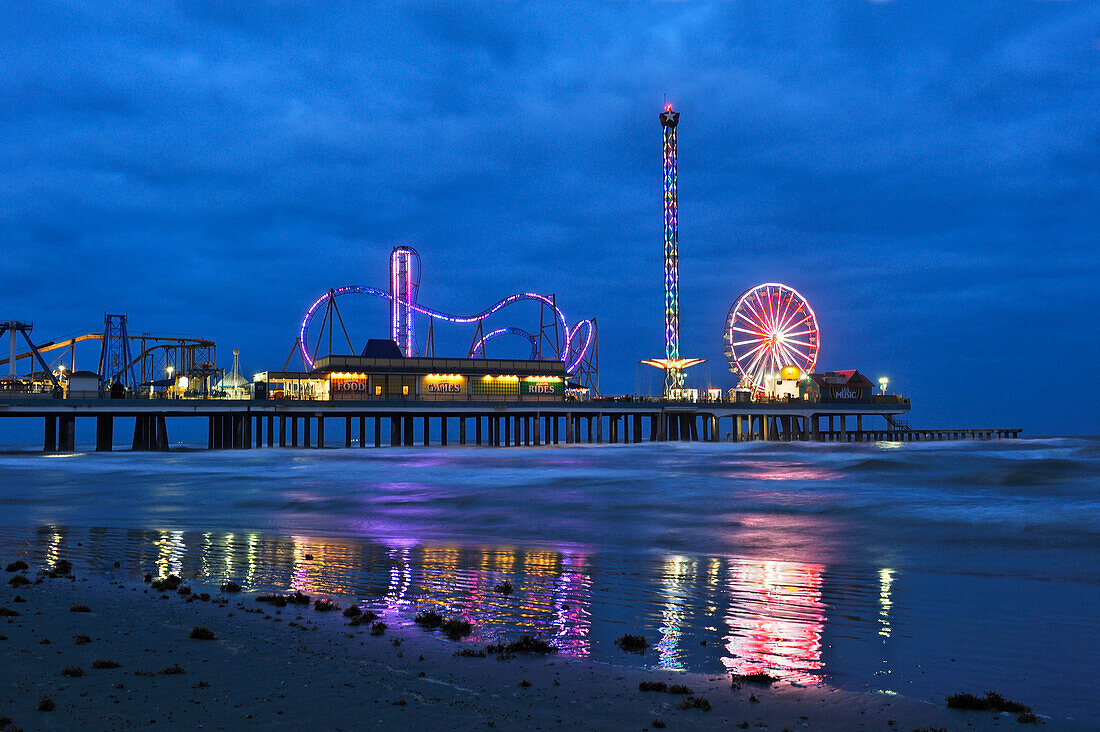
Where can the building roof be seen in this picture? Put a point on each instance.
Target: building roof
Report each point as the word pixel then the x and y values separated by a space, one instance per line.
pixel 381 348
pixel 849 377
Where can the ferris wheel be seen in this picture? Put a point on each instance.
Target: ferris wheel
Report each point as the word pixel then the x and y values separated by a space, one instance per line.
pixel 769 327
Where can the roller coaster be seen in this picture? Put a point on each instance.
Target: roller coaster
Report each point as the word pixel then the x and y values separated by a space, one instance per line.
pixel 576 346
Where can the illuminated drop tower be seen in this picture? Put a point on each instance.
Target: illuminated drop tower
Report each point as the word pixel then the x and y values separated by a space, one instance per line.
pixel 674 377
pixel 671 364
pixel 404 285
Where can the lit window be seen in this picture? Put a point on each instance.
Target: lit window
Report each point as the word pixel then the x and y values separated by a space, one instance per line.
pixel 405 390
pixel 378 390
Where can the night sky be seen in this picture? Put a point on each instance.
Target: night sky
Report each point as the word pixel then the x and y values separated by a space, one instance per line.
pixel 927 174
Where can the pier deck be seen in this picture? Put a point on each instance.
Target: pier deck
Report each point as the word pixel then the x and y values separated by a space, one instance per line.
pixel 246 424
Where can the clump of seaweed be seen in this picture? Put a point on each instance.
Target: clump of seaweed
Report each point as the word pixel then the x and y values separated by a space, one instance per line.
pixel 82 640
pixel 429 619
pixel 364 618
pixel 525 644
pixel 79 609
pixel 61 568
pixel 992 701
pixel 298 598
pixel 504 588
pixel 455 628
pixel 276 600
pixel 352 611
pixel 760 677
pixel 470 653
pixel 169 583
pixel 174 670
pixel 378 628
pixel 653 686
pixel 18 580
pixel 8 613
pixel 324 605
pixel 695 702
pixel 72 671
pixel 101 663
pixel 45 704
pixel 632 643
pixel 201 633
pixel 185 591
pixel 657 723
pixel 17 566
pixel 679 689
pixel 230 586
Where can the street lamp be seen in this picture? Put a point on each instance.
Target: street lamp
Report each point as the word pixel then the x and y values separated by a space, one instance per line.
pixel 882 382
pixel 171 370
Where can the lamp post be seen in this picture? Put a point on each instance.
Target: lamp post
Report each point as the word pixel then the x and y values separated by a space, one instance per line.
pixel 171 370
pixel 882 382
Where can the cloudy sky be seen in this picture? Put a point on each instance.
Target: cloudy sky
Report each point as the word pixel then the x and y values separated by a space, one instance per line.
pixel 927 174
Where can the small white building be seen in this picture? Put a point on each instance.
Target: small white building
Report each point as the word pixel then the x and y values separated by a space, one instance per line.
pixel 83 385
pixel 788 383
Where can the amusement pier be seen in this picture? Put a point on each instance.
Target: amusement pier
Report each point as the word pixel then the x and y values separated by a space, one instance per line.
pixel 392 390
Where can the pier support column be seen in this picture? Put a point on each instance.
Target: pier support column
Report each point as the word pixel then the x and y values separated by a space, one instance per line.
pixel 282 431
pixel 569 428
pixel 66 433
pixel 49 434
pixel 843 427
pixel 362 431
pixel 244 427
pixel 599 428
pixel 427 430
pixel 293 431
pixel 210 433
pixel 320 432
pixel 477 430
pixel 271 430
pixel 815 428
pixel 395 431
pixel 307 440
pixel 462 430
pixel 259 430
pixel 612 428
pixel 637 428
pixel 378 431
pixel 347 431
pixel 443 430
pixel 104 433
pixel 407 432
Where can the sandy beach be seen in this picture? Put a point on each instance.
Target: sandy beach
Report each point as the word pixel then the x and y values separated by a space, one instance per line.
pixel 288 667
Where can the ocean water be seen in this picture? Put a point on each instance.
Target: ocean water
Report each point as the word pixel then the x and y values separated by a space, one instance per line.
pixel 921 569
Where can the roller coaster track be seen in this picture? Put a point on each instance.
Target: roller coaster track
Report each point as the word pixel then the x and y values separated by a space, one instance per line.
pixel 568 334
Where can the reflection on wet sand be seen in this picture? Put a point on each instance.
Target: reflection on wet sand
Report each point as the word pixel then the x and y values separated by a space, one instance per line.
pixel 770 616
pixel 776 620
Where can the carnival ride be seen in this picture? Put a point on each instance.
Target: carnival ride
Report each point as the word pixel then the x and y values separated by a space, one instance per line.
pixel 575 346
pixel 156 356
pixel 672 364
pixel 769 327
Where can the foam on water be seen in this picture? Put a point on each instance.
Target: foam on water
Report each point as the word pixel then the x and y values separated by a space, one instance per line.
pixel 924 568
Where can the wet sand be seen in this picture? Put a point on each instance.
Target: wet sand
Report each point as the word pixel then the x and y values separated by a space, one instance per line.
pixel 287 667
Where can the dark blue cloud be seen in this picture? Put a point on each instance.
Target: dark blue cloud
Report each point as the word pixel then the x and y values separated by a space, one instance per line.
pixel 928 174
